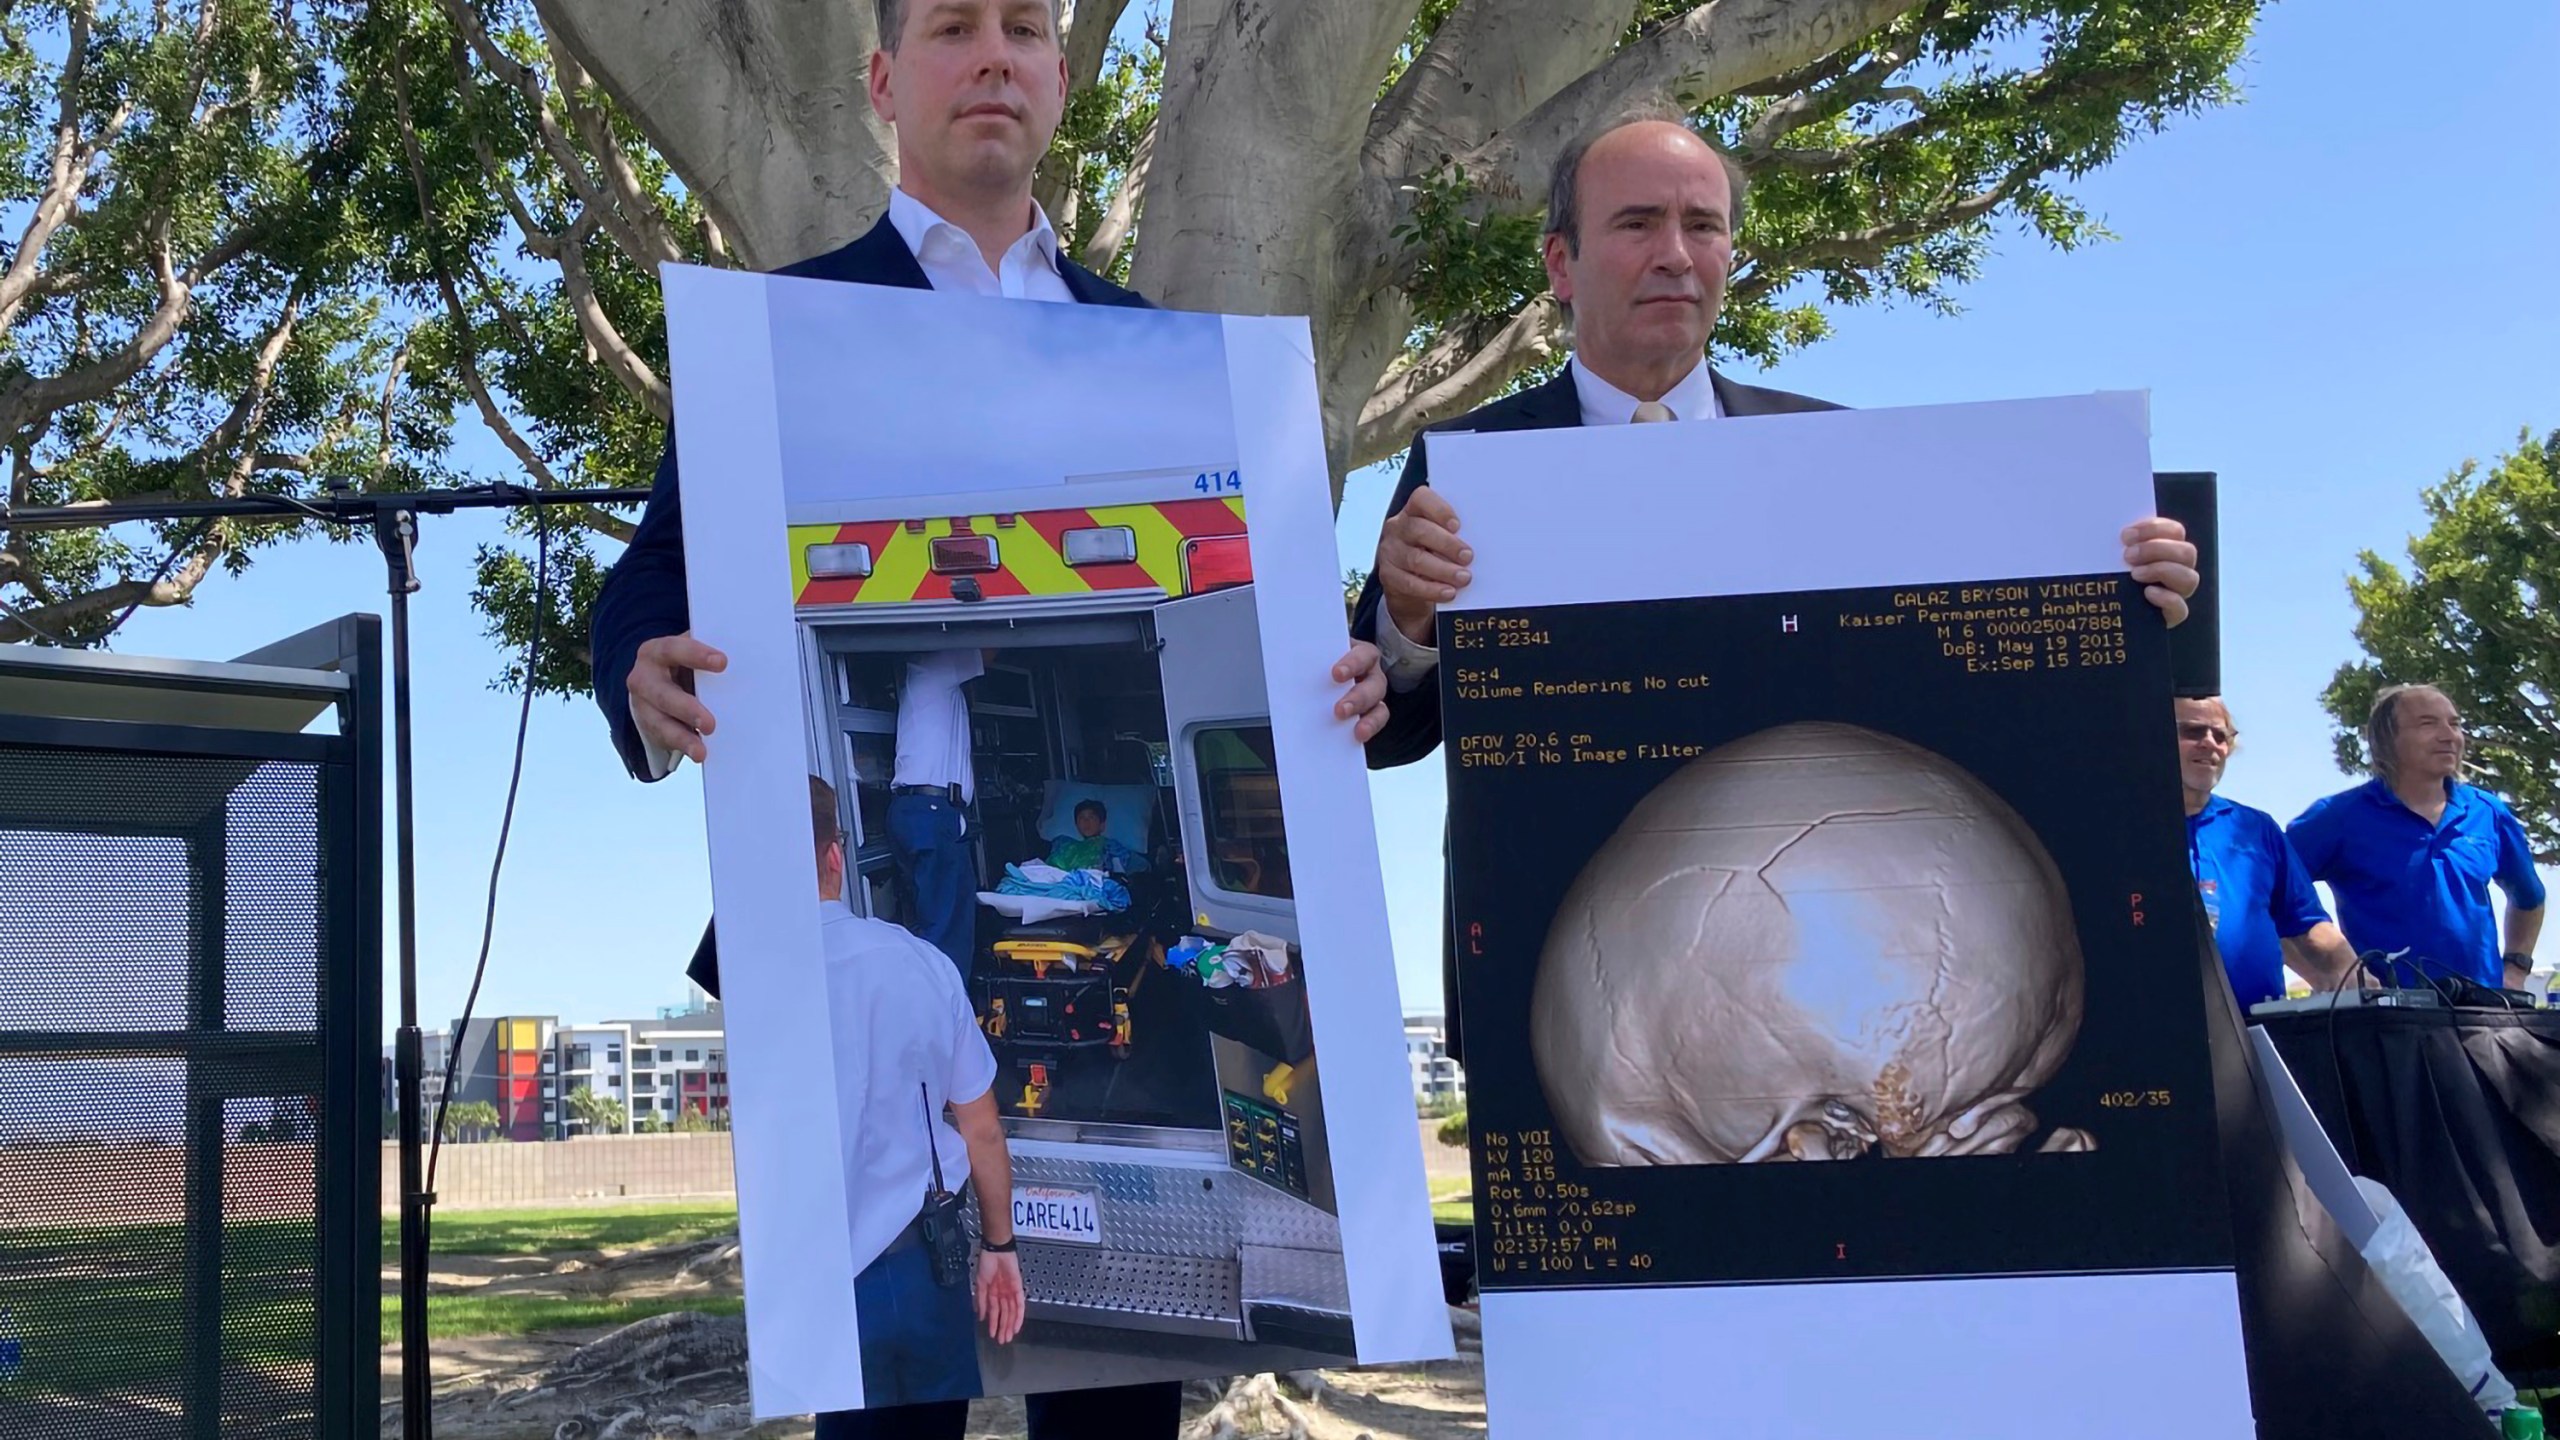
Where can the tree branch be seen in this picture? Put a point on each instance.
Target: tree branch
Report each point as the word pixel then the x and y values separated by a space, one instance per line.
pixel 1117 223
pixel 1450 379
pixel 23 625
pixel 466 348
pixel 390 396
pixel 638 208
pixel 62 186
pixel 1089 40
pixel 1832 159
pixel 555 141
pixel 623 361
pixel 240 427
pixel 1487 65
pixel 758 108
pixel 30 396
pixel 537 239
pixel 1713 50
pixel 1871 245
pixel 1867 82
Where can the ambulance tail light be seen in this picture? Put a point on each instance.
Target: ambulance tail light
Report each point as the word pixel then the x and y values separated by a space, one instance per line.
pixel 964 555
pixel 1214 562
pixel 1107 545
pixel 840 562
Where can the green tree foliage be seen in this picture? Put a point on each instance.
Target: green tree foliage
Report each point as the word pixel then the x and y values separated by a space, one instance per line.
pixel 472 1120
pixel 292 243
pixel 193 303
pixel 2476 614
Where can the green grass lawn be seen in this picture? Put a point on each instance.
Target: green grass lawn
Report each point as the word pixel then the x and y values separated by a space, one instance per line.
pixel 563 1231
pixel 551 1232
pixel 97 1307
pixel 1447 1206
pixel 449 1316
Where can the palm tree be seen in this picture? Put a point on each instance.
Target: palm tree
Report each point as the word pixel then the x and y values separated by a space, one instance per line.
pixel 471 1120
pixel 600 1115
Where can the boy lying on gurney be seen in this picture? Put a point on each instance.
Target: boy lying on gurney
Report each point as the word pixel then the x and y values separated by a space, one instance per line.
pixel 1093 850
pixel 1076 879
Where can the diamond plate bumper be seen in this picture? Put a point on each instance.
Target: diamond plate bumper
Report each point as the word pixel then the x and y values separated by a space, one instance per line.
pixel 1188 1247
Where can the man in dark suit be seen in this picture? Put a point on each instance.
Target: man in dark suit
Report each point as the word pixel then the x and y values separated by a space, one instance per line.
pixel 1641 215
pixel 974 89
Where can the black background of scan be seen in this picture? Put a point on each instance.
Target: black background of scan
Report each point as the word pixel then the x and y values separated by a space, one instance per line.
pixel 2085 755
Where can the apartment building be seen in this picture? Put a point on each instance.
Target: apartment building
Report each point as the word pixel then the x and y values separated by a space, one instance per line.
pixel 1436 1078
pixel 528 1068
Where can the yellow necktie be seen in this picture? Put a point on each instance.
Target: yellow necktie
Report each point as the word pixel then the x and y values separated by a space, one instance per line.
pixel 1651 411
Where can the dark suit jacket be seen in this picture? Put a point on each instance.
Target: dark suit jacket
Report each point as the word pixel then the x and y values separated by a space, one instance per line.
pixel 643 596
pixel 1412 730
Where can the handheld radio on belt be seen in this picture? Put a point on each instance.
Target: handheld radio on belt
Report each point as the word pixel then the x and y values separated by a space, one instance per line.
pixel 938 1224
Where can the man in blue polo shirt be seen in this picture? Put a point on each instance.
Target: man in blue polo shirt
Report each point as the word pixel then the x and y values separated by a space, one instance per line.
pixel 2264 912
pixel 2411 853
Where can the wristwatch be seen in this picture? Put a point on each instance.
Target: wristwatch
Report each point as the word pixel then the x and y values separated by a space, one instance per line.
pixel 2518 962
pixel 992 1248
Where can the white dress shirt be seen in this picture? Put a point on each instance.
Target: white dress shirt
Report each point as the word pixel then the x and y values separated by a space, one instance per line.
pixel 951 260
pixel 933 722
pixel 906 1044
pixel 1694 398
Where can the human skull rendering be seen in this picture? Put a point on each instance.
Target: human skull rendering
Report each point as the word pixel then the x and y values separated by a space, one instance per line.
pixel 1806 944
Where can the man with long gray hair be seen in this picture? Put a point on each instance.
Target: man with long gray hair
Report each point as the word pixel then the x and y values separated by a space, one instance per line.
pixel 2411 853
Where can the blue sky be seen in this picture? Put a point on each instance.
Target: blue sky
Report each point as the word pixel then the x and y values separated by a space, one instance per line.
pixel 2335 292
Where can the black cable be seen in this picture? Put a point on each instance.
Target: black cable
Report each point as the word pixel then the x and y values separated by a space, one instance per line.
pixel 506 823
pixel 2337 1072
pixel 166 563
pixel 32 628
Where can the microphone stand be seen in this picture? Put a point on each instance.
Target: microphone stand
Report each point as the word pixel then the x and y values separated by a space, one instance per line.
pixel 393 519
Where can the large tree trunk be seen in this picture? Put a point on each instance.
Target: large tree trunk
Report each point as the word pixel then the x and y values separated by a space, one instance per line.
pixel 1258 203
pixel 762 108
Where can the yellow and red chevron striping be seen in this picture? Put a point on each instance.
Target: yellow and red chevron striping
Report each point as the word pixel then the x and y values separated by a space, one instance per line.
pixel 1030 551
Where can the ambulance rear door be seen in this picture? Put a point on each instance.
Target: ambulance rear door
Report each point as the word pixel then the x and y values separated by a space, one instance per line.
pixel 1218 728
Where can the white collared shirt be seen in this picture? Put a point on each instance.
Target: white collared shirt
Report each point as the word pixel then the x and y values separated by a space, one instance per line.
pixel 907 1043
pixel 950 260
pixel 1694 398
pixel 933 721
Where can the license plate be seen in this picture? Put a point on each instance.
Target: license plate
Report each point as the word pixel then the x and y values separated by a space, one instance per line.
pixel 1043 1213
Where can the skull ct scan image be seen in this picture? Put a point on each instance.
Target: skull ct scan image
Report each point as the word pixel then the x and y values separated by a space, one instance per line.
pixel 1817 942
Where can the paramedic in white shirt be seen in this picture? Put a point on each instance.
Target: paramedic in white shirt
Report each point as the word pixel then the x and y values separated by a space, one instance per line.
pixel 912 1070
pixel 929 799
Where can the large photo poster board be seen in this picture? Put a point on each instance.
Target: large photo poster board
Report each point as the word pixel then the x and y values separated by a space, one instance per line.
pixel 1075 567
pixel 1830 1003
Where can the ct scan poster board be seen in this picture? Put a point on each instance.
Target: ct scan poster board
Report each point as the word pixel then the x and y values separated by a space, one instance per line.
pixel 1834 1055
pixel 876 475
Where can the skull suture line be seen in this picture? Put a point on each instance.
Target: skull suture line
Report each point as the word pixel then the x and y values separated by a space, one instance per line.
pixel 1805 944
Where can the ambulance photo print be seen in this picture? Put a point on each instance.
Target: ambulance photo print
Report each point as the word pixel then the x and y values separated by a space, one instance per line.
pixel 1083 1016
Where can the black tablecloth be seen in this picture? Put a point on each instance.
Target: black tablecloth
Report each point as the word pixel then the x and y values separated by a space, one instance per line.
pixel 2457 1112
